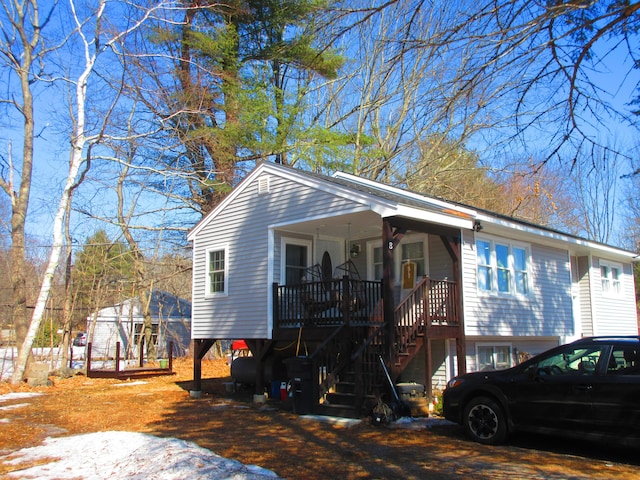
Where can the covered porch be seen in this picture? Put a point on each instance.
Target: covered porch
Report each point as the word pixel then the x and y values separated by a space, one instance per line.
pixel 360 317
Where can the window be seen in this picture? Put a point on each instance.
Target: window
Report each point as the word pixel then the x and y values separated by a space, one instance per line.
pixel 502 264
pixel 296 257
pixel 578 360
pixel 414 252
pixel 502 267
pixel 493 357
pixel 413 249
pixel 216 271
pixel 610 276
pixel 484 265
pixel 521 278
pixel 624 360
pixel 377 263
pixel 139 333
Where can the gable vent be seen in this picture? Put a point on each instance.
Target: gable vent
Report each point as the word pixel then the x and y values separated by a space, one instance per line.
pixel 264 184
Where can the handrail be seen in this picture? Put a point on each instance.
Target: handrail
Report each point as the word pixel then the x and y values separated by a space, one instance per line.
pixel 357 336
pixel 329 360
pixel 410 315
pixel 429 303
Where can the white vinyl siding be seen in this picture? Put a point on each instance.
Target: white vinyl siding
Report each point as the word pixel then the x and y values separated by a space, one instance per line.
pixel 244 226
pixel 584 290
pixel 613 314
pixel 545 311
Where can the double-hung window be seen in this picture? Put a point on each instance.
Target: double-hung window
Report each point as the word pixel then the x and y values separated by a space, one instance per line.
pixel 485 279
pixel 493 357
pixel 217 271
pixel 610 276
pixel 502 267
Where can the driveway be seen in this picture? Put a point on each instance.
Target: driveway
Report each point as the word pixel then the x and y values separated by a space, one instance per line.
pixel 292 446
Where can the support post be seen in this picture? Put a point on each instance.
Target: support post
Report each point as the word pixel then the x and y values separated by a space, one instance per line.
pixel 117 357
pixel 429 369
pixel 141 351
pixel 200 349
pixel 388 284
pixel 88 358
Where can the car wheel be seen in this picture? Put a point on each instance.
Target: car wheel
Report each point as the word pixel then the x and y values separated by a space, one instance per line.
pixel 484 421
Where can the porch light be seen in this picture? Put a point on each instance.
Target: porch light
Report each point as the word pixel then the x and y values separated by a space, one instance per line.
pixel 355 250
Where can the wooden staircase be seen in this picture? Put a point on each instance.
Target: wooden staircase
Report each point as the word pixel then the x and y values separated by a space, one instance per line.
pixel 350 379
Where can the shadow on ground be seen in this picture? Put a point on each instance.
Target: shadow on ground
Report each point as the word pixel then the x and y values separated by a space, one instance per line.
pixel 298 447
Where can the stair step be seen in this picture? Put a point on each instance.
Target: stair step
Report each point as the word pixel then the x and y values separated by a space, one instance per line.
pixel 339 398
pixel 345 387
pixel 336 410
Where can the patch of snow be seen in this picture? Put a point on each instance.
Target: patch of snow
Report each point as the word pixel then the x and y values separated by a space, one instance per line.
pixel 128 455
pixel 129 384
pixel 343 422
pixel 417 423
pixel 17 396
pixel 14 406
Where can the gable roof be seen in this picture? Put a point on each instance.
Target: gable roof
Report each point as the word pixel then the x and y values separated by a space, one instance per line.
pixel 162 305
pixel 388 201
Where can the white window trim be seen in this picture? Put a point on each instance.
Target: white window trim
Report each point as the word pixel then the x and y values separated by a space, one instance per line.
pixel 493 345
pixel 284 241
pixel 225 292
pixel 512 271
pixel 611 293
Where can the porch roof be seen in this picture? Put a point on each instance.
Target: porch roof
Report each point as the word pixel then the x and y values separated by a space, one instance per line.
pixel 388 201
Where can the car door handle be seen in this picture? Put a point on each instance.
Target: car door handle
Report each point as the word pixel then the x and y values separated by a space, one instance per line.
pixel 584 388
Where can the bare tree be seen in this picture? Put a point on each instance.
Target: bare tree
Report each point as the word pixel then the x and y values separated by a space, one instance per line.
pixel 94 36
pixel 595 180
pixel 552 68
pixel 20 50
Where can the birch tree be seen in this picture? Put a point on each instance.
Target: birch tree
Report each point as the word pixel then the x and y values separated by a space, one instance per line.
pixel 95 32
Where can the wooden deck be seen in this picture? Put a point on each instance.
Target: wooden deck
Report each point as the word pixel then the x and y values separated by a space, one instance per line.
pixel 129 372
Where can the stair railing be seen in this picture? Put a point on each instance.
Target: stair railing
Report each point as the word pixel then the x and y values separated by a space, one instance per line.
pixel 411 316
pixel 330 359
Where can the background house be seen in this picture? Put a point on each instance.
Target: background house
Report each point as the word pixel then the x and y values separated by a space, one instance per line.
pixel 344 267
pixel 171 322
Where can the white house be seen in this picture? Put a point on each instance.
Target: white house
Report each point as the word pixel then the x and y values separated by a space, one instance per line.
pixel 341 270
pixel 170 318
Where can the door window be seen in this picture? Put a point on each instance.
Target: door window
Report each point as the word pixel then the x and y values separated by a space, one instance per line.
pixel 624 360
pixel 296 258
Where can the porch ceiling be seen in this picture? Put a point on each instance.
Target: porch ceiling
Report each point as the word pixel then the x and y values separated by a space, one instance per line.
pixel 353 226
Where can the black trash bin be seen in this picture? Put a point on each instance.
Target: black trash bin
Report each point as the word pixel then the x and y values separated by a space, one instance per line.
pixel 300 373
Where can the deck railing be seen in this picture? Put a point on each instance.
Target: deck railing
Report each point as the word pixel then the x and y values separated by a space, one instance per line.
pixel 430 303
pixel 359 336
pixel 326 304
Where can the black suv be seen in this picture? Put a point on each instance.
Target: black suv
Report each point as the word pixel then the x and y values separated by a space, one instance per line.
pixel 589 388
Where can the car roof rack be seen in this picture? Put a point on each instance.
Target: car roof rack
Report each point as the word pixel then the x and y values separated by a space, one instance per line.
pixel 601 338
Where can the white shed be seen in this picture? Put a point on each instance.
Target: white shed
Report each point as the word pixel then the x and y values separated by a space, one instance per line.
pixel 171 322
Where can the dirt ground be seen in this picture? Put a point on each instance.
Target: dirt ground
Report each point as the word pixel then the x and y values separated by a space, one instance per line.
pixel 294 447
